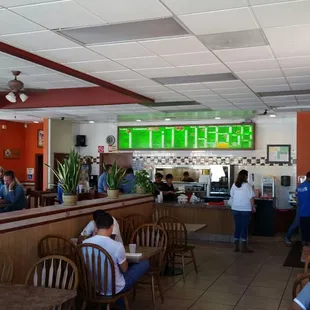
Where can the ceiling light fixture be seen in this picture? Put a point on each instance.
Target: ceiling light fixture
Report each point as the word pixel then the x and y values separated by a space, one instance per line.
pixel 36 122
pixel 293 107
pixel 138 120
pixel 91 122
pixel 168 119
pixel 11 97
pixel 23 97
pixel 272 115
pixel 217 117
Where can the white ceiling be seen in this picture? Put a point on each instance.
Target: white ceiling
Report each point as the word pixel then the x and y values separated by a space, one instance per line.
pixel 282 64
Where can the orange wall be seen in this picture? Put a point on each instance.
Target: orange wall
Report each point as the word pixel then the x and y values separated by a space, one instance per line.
pixel 303 145
pixel 16 136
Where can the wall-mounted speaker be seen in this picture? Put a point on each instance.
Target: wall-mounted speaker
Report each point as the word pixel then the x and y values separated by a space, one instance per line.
pixel 80 140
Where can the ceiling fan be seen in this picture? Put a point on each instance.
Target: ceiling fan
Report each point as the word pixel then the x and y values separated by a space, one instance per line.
pixel 16 87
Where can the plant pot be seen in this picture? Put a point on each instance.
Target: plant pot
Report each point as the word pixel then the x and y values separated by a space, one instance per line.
pixel 140 190
pixel 69 200
pixel 113 193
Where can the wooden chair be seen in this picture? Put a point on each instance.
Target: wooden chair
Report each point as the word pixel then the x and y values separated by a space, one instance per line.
pixel 136 219
pixel 300 283
pixel 55 271
pixel 159 212
pixel 126 230
pixel 177 242
pixel 57 245
pixel 97 272
pixel 6 268
pixel 152 235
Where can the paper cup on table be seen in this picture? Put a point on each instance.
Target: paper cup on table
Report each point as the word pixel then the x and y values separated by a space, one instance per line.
pixel 132 248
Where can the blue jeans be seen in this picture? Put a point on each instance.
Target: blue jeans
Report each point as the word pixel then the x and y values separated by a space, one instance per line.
pixel 132 276
pixel 242 221
pixel 293 227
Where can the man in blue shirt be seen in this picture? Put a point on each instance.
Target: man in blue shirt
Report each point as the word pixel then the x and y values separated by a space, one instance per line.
pixel 12 195
pixel 129 182
pixel 303 196
pixel 102 181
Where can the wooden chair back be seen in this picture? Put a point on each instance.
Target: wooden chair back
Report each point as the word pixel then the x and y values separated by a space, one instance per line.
pixel 176 231
pixel 151 235
pixel 300 283
pixel 159 212
pixel 54 271
pixel 97 270
pixel 57 245
pixel 126 230
pixel 136 220
pixel 6 268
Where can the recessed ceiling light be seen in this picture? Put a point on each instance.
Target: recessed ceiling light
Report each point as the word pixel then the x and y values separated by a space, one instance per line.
pixel 167 119
pixel 36 122
pixel 91 122
pixel 217 117
pixel 272 115
pixel 138 120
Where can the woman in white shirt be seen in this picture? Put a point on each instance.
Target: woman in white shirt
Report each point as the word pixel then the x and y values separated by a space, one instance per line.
pixel 242 197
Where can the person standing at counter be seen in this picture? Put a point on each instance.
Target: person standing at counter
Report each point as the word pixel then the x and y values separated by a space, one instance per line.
pixel 242 197
pixel 12 195
pixel 158 183
pixel 128 184
pixel 168 189
pixel 102 181
pixel 303 196
pixel 187 178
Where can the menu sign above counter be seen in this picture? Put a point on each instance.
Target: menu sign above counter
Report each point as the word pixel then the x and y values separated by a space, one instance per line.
pixel 226 136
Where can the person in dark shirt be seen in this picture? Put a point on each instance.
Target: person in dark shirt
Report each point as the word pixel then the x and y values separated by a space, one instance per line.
pixel 187 178
pixel 168 189
pixel 158 183
pixel 128 184
pixel 303 196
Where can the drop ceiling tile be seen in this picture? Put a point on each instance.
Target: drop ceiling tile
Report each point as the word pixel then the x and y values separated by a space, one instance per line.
pixel 65 55
pixel 8 62
pixel 143 62
pixel 300 86
pixel 96 66
pixel 188 6
pixel 227 91
pixel 70 84
pixel 180 45
pixel 253 100
pixel 64 14
pixel 34 41
pixel 135 82
pixel 117 75
pixel 150 89
pixel 239 96
pixel 182 87
pixel 219 21
pixel 299 79
pixel 280 14
pixel 257 2
pixel 11 23
pixel 12 3
pixel 198 92
pixel 259 74
pixel 121 50
pixel 204 69
pixel 161 72
pixel 267 64
pixel 224 84
pixel 204 98
pixel 265 82
pixel 271 88
pixel 282 99
pixel 34 70
pixel 130 10
pixel 45 77
pixel 191 59
pixel 245 54
pixel 226 108
pixel 297 71
pixel 294 62
pixel 212 102
pixel 283 104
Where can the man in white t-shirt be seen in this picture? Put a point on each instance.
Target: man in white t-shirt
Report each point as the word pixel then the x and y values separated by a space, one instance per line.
pixel 125 276
pixel 91 229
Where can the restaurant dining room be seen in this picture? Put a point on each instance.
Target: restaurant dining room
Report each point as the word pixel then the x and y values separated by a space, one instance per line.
pixel 154 154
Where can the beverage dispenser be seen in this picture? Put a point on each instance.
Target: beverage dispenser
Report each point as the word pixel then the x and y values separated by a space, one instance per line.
pixel 268 186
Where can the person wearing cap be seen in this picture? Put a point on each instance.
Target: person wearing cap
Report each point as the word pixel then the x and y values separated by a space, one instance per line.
pixel 303 198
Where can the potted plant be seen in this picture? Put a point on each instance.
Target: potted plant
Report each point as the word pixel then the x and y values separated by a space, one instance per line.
pixel 68 174
pixel 114 179
pixel 143 183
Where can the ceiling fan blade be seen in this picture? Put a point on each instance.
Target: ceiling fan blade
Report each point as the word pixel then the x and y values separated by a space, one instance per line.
pixel 34 90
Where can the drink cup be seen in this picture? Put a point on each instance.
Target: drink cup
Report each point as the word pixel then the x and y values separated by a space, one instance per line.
pixel 132 248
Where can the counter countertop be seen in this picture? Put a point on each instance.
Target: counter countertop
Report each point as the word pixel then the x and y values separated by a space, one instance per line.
pixel 192 205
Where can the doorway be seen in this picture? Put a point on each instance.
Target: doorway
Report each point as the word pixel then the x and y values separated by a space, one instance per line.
pixel 39 172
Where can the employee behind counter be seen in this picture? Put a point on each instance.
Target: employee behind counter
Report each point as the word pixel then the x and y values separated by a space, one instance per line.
pixel 168 189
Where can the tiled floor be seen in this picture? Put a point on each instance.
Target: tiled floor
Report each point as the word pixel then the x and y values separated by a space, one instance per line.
pixel 228 280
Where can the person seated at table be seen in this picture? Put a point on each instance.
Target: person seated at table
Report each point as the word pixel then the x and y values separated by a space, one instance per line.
pixel 187 178
pixel 168 189
pixel 158 183
pixel 102 181
pixel 302 301
pixel 91 229
pixel 12 194
pixel 125 276
pixel 1 176
pixel 128 184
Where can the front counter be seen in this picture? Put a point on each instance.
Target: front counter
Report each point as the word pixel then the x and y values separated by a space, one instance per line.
pixel 22 230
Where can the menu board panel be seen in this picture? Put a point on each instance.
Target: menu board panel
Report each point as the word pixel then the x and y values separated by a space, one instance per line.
pixel 226 136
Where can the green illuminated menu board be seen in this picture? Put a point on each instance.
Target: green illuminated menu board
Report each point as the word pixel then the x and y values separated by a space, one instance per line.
pixel 231 136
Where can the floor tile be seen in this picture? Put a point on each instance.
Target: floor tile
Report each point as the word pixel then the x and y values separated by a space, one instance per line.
pixel 220 298
pixel 210 306
pixel 171 303
pixel 226 287
pixel 259 302
pixel 194 284
pixel 269 292
pixel 185 293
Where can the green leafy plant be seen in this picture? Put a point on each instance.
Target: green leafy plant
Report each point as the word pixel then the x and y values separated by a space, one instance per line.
pixel 68 173
pixel 115 177
pixel 143 181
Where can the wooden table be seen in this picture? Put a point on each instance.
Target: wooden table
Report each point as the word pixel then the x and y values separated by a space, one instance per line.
pixel 194 227
pixel 147 253
pixel 24 297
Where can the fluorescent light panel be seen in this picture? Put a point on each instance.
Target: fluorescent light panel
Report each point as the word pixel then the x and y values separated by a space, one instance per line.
pixel 284 93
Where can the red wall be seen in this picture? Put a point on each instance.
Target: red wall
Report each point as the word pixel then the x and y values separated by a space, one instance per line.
pixel 16 136
pixel 303 146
